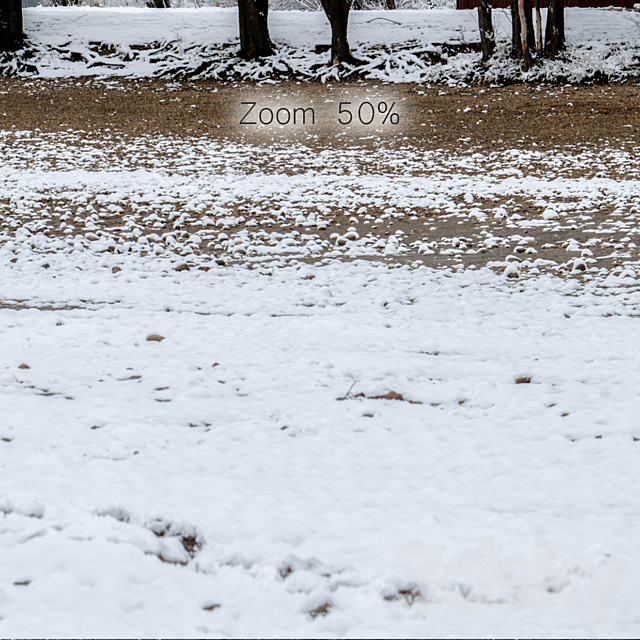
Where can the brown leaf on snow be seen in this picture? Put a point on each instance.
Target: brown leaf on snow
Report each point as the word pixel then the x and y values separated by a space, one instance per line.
pixel 322 610
pixel 392 395
pixel 155 337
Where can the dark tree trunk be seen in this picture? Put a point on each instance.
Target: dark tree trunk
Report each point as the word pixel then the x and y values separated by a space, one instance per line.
pixel 524 28
pixel 254 31
pixel 10 24
pixel 539 45
pixel 161 4
pixel 391 4
pixel 487 38
pixel 554 32
pixel 531 29
pixel 338 13
pixel 516 31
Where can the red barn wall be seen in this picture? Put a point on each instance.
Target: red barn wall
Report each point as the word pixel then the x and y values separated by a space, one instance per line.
pixel 503 4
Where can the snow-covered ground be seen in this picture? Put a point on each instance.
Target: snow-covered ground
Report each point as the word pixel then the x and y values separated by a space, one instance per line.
pixel 476 505
pixel 300 29
pixel 311 449
pixel 399 46
pixel 195 200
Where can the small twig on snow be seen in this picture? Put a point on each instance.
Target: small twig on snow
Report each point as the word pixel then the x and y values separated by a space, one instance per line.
pixel 387 19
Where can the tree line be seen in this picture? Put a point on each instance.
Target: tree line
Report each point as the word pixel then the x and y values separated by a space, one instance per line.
pixel 526 43
pixel 255 43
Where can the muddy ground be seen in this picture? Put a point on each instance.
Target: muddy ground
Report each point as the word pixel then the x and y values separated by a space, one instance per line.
pixel 432 117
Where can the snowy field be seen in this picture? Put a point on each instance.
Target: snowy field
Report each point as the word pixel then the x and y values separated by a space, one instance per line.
pixel 250 460
pixel 398 46
pixel 235 400
pixel 286 443
pixel 301 29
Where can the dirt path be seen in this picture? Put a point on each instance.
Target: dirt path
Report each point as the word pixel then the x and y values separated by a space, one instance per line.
pixel 433 117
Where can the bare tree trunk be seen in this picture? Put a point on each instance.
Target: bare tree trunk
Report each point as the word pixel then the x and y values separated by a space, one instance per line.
pixel 161 4
pixel 391 4
pixel 338 13
pixel 524 44
pixel 10 24
pixel 254 31
pixel 487 37
pixel 538 29
pixel 554 32
pixel 516 45
pixel 516 28
pixel 531 29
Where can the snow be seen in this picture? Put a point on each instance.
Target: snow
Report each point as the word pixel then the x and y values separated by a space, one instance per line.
pixel 398 46
pixel 128 25
pixel 243 474
pixel 245 428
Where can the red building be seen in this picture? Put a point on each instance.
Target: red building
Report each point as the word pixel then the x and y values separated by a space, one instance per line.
pixel 503 4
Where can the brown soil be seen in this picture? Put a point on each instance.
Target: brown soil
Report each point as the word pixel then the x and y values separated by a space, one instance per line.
pixel 435 117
